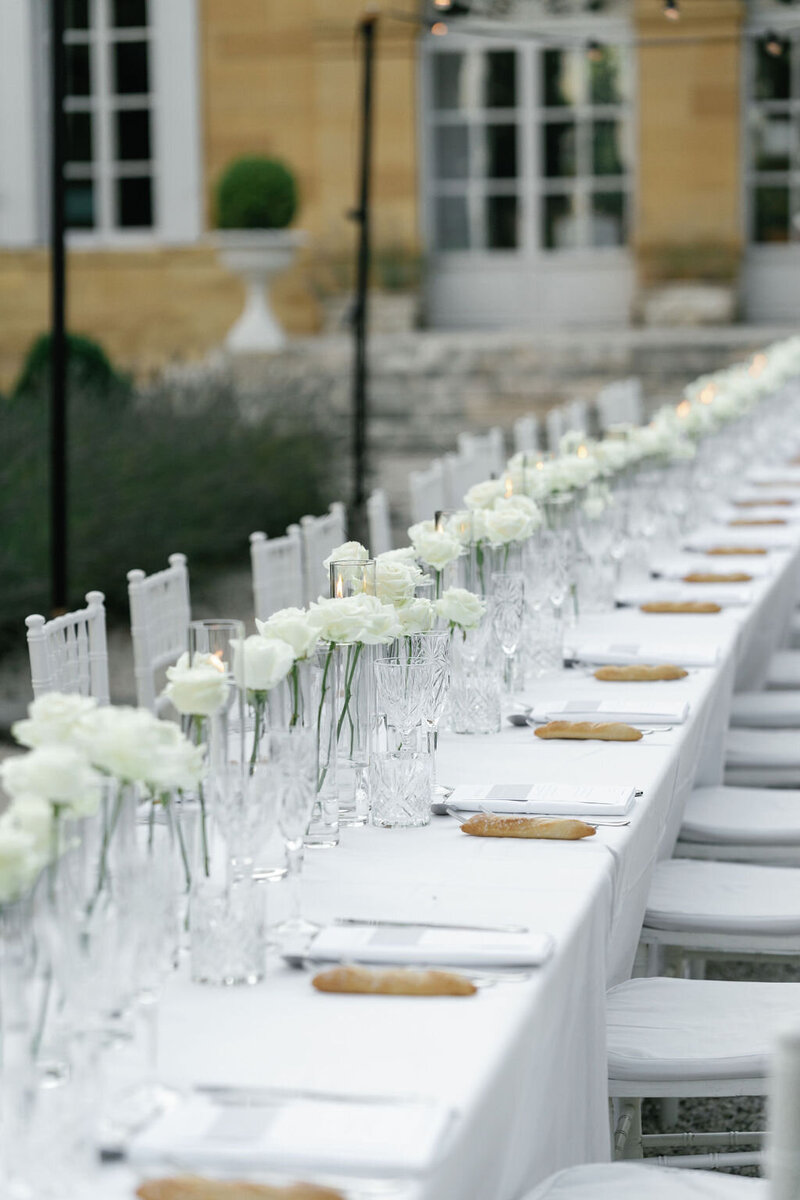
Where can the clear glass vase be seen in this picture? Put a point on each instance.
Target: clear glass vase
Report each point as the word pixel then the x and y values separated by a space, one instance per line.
pixel 355 709
pixel 306 699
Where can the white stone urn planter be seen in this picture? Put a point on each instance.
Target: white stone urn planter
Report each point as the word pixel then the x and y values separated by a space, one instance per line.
pixel 257 256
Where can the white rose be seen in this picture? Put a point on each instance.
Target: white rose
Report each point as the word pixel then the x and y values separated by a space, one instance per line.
pixel 52 719
pixel 396 581
pixel 339 620
pixel 459 607
pixel 197 690
pixel 416 531
pixel 174 761
pixel 417 616
pixel 291 625
pixel 525 505
pixel 34 816
pixel 260 663
pixel 484 494
pixel 437 549
pixel 58 774
pixel 128 743
pixel 507 522
pixel 349 552
pixel 406 554
pixel 20 861
pixel 381 626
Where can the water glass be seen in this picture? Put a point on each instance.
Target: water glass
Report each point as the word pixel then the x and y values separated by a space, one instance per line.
pixel 400 787
pixel 401 688
pixel 293 757
pixel 507 612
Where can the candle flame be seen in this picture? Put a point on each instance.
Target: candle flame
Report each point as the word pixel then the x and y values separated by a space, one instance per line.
pixel 757 365
pixel 215 660
pixel 684 408
pixel 339 589
pixel 707 394
pixel 583 451
pixel 509 487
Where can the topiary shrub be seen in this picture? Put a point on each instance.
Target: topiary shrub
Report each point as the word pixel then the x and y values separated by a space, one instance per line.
pixel 256 193
pixel 89 370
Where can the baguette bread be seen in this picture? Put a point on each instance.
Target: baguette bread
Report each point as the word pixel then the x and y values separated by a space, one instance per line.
pixel 713 577
pixel 675 606
pixel 758 521
pixel 781 500
pixel 737 550
pixel 392 981
pixel 562 829
pixel 603 731
pixel 636 673
pixel 190 1187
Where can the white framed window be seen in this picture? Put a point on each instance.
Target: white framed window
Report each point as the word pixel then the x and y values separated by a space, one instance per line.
pixel 132 171
pixel 528 146
pixel 772 135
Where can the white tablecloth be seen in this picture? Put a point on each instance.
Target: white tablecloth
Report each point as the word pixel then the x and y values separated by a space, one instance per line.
pixel 523 1063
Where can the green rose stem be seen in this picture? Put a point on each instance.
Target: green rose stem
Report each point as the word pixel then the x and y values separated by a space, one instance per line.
pixel 353 653
pixel 259 703
pixel 295 676
pixel 479 561
pixel 196 721
pixel 177 828
pixel 108 833
pixel 437 590
pixel 322 694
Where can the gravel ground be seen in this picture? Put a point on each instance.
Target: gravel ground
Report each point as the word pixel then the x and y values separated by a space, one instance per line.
pixel 722 1113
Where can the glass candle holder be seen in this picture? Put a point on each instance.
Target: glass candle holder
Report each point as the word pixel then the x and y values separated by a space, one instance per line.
pixel 352 577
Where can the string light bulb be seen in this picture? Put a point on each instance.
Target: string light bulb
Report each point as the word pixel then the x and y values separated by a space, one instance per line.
pixel 671 10
pixel 438 29
pixel 773 44
pixel 442 3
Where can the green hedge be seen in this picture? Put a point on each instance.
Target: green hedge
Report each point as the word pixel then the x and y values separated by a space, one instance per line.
pixel 145 479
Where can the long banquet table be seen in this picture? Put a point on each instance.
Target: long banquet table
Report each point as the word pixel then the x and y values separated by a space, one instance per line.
pixel 522 1063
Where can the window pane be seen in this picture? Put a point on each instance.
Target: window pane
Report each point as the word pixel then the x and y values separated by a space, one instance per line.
pixel 560 78
pixel 771 214
pixel 558 149
pixel 134 203
pixel 451 152
pixel 500 79
pixel 76 14
pixel 133 135
pixel 559 223
pixel 449 81
pixel 608 224
pixel 501 222
pixel 772 141
pixel 607 83
pixel 79 204
pixel 773 74
pixel 131 75
pixel 79 136
pixel 452 223
pixel 500 152
pixel 608 156
pixel 79 78
pixel 128 13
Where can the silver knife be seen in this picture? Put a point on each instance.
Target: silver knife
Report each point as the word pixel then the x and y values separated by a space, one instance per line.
pixel 431 925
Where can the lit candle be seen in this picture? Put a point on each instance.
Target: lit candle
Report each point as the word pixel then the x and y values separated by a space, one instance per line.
pixel 338 590
pixel 707 394
pixel 757 365
pixel 215 660
pixel 583 451
pixel 683 409
pixel 438 521
pixel 509 487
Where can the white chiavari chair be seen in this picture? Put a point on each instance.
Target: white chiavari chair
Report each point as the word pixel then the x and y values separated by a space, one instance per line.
pixel 578 416
pixel 461 472
pixel 379 523
pixel 526 435
pixel 619 403
pixel 649 1177
pixel 160 611
pixel 321 535
pixel 426 492
pixel 69 653
pixel 277 572
pixel 488 448
pixel 555 424
pixel 742 825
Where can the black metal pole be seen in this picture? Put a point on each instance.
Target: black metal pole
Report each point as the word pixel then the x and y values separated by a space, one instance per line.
pixel 367 29
pixel 58 341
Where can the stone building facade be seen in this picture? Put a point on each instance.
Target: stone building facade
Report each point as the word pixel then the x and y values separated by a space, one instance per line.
pixel 551 164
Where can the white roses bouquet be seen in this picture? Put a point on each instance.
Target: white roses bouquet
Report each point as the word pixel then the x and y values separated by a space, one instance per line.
pixel 461 609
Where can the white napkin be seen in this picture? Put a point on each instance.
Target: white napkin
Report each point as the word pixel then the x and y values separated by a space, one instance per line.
pixel 770 537
pixel 304 1135
pixel 675 567
pixel 421 946
pixel 774 476
pixel 544 799
pixel 606 710
pixel 698 654
pixel 726 595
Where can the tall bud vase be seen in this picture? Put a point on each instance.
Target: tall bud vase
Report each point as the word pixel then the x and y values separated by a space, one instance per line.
pixel 306 699
pixel 355 708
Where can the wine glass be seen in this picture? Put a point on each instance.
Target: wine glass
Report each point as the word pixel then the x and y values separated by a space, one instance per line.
pixel 508 608
pixel 401 686
pixel 293 759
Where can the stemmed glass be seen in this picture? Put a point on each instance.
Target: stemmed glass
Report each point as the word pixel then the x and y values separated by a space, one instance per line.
pixel 293 759
pixel 508 608
pixel 401 687
pixel 595 534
